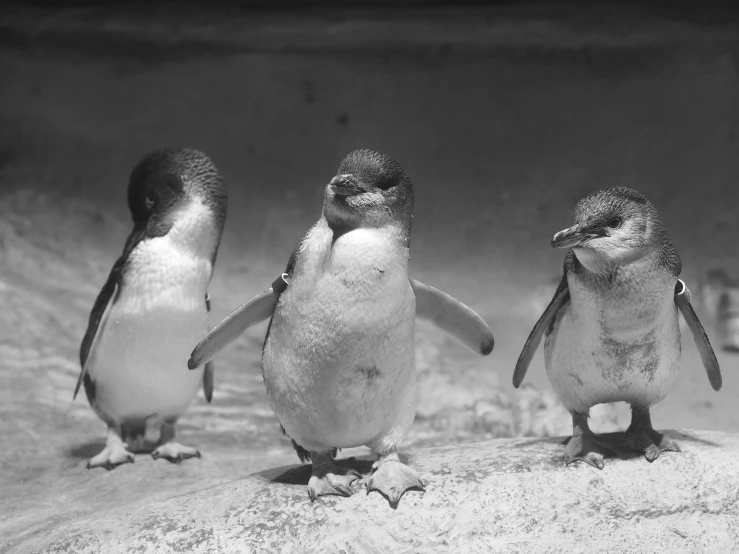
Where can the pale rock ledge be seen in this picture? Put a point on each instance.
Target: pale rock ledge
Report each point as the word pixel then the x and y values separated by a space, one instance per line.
pixel 507 496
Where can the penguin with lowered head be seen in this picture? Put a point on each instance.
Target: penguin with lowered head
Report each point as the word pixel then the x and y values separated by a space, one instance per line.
pixel 153 307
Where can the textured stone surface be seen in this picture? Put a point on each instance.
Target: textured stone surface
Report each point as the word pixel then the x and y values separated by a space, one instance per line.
pixel 507 495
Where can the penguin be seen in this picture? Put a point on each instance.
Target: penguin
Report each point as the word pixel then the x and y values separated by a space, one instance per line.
pixel 611 332
pixel 338 358
pixel 152 308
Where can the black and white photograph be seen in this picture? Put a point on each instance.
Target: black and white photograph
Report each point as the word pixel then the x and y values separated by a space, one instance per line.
pixel 369 277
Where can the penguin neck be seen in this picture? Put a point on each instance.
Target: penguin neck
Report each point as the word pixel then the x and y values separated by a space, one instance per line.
pixel 195 230
pixel 626 304
pixel 360 249
pixel 392 230
pixel 641 274
pixel 172 271
pixel 338 229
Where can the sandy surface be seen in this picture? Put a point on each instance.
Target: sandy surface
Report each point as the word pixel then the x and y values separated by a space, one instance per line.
pixel 501 133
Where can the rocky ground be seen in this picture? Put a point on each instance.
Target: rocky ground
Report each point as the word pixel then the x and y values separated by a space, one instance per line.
pixel 501 496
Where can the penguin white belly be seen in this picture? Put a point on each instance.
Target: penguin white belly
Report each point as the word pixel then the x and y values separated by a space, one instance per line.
pixel 139 365
pixel 596 355
pixel 339 359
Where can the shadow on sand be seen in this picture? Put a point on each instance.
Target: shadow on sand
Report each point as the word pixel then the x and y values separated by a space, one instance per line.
pixel 85 450
pixel 300 475
pixel 617 441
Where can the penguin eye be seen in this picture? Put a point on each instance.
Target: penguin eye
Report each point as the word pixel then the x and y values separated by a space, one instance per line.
pixel 385 183
pixel 615 222
pixel 149 201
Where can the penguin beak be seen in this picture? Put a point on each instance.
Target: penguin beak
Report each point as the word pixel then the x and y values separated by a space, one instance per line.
pixel 161 222
pixel 346 185
pixel 570 238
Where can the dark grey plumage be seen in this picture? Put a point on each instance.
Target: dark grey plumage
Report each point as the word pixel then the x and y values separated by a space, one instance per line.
pixel 157 182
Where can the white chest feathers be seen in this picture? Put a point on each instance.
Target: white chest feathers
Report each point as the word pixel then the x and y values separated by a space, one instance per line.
pixel 353 254
pixel 173 271
pixel 615 343
pixel 339 361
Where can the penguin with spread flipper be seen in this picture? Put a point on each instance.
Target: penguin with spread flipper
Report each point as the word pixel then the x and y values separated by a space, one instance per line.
pixel 338 360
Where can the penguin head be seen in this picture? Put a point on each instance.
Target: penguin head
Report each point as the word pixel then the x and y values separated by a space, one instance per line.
pixel 613 227
pixel 177 189
pixel 369 190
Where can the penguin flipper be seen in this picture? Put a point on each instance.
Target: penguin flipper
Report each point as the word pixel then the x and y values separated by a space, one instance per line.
pixel 560 299
pixel 255 311
pixel 107 297
pixel 98 318
pixel 209 375
pixel 209 378
pixel 682 299
pixel 450 315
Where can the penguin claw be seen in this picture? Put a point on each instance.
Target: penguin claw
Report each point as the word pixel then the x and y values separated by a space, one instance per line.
pixel 587 448
pixel 110 457
pixel 332 479
pixel 592 458
pixel 392 479
pixel 175 452
pixel 650 442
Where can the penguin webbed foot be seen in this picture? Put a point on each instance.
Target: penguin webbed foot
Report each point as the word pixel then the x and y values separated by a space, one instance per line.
pixel 111 456
pixel 584 445
pixel 115 452
pixel 651 443
pixel 175 452
pixel 587 448
pixel 330 478
pixel 641 436
pixel 392 478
